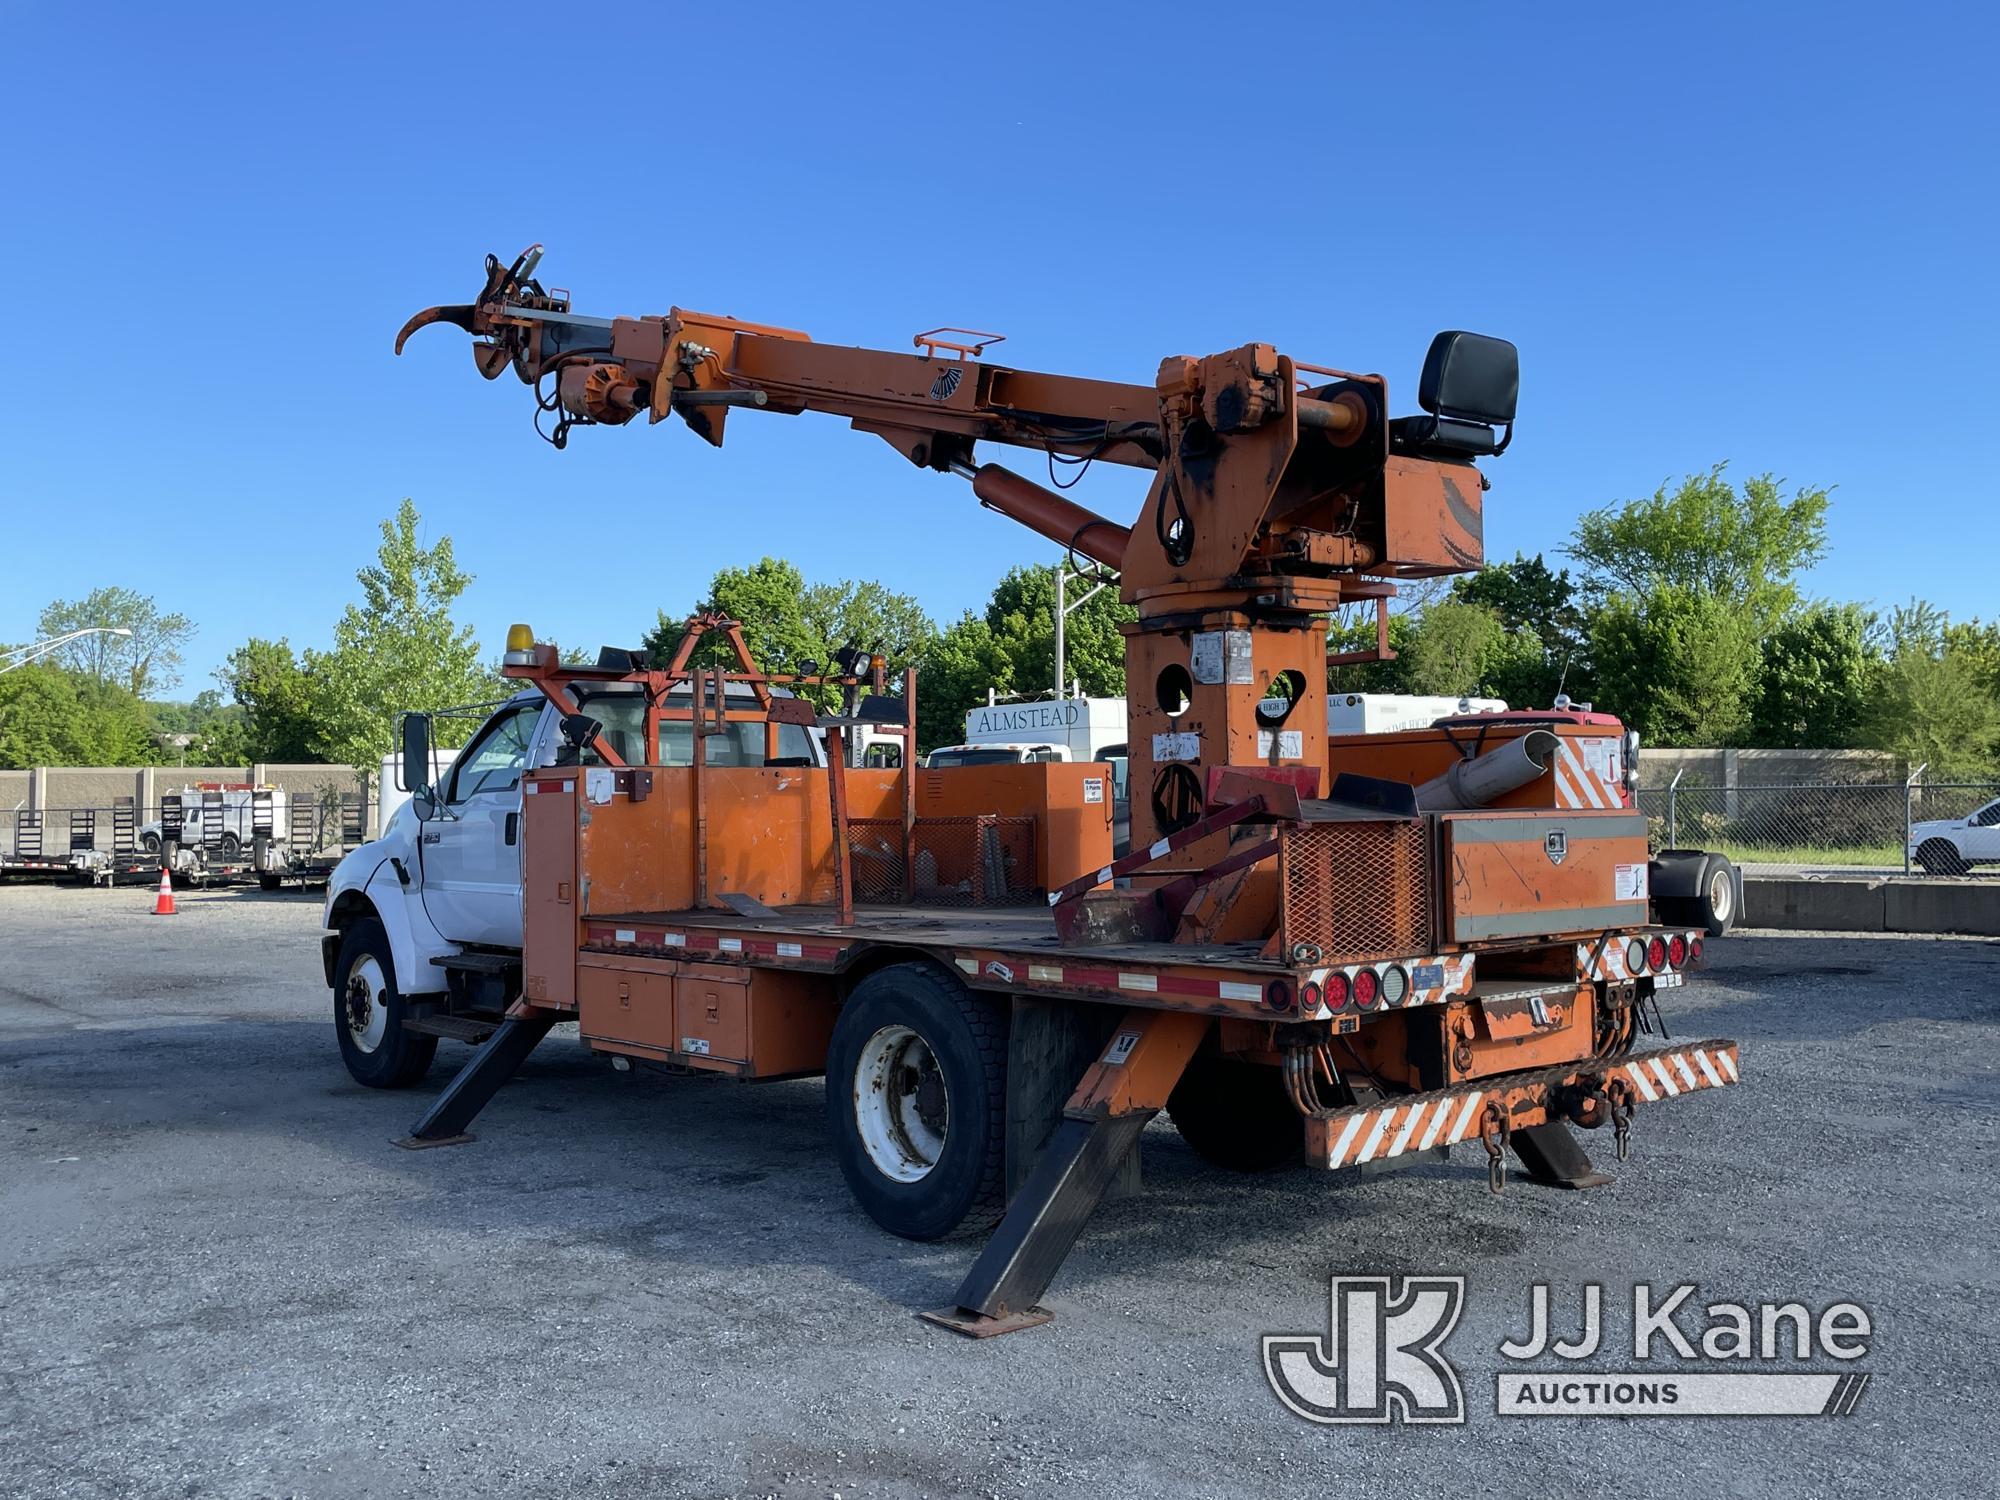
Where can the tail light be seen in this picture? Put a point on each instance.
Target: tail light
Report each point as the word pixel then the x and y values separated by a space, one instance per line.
pixel 1656 954
pixel 1395 985
pixel 1309 996
pixel 1336 990
pixel 1677 950
pixel 1367 988
pixel 1278 994
pixel 1696 949
pixel 1635 957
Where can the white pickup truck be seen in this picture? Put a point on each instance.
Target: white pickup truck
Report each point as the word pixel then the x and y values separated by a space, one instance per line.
pixel 423 923
pixel 1951 846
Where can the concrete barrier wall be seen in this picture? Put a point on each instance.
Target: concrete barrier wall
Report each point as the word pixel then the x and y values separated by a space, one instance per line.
pixel 1944 906
pixel 1727 768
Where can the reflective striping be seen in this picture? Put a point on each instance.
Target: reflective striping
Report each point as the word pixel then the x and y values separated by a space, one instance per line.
pixel 1409 1129
pixel 624 935
pixel 1145 983
pixel 1436 1126
pixel 1229 989
pixel 1159 850
pixel 1045 973
pixel 791 950
pixel 1368 1146
pixel 673 940
pixel 1586 784
pixel 1347 1135
pixel 1464 1116
pixel 969 965
pixel 1419 1122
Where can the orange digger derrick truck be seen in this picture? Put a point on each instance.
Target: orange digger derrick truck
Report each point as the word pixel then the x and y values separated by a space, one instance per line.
pixel 1315 948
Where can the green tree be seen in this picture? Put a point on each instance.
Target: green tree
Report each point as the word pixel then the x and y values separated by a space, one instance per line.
pixel 1547 650
pixel 1022 617
pixel 53 717
pixel 962 663
pixel 281 720
pixel 398 649
pixel 1391 676
pixel 1745 548
pixel 145 662
pixel 788 622
pixel 1451 648
pixel 1813 679
pixel 1677 664
pixel 1935 701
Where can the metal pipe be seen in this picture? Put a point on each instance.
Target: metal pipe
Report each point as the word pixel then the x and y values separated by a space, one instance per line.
pixel 1476 782
pixel 1044 511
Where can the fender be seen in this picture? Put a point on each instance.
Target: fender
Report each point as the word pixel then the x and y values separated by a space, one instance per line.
pixel 413 941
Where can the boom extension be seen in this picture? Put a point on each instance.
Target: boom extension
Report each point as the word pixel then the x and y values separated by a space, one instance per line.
pixel 1280 490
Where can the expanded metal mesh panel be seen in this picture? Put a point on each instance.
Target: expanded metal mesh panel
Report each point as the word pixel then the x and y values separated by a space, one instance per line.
pixel 1354 890
pixel 985 861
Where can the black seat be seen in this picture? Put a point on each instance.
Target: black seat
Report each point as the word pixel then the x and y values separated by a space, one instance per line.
pixel 1442 437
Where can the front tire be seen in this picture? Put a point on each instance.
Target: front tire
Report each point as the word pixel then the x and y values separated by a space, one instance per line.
pixel 1938 857
pixel 916 1097
pixel 1236 1115
pixel 368 1013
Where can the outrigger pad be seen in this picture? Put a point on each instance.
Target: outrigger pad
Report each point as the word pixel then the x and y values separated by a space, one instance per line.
pixel 414 1143
pixel 979 1326
pixel 1554 1157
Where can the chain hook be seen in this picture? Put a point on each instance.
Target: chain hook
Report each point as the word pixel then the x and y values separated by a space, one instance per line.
pixel 1493 1131
pixel 1619 1092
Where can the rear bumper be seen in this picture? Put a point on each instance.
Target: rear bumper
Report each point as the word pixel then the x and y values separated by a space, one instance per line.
pixel 1491 1107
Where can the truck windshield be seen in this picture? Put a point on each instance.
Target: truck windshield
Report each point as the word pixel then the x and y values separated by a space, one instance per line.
pixel 623 715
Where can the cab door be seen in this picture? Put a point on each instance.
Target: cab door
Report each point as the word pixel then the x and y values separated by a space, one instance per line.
pixel 472 847
pixel 1982 833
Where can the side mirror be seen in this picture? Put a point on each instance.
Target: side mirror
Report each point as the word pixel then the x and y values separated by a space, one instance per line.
pixel 424 805
pixel 413 766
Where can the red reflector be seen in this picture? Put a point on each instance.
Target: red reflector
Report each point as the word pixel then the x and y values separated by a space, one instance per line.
pixel 1367 988
pixel 1695 949
pixel 1278 995
pixel 1336 990
pixel 1677 950
pixel 1656 954
pixel 1309 996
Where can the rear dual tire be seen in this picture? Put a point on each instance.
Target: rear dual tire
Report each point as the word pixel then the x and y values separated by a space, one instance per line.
pixel 916 1097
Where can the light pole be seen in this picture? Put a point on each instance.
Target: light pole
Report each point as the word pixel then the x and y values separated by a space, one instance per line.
pixel 42 648
pixel 1063 607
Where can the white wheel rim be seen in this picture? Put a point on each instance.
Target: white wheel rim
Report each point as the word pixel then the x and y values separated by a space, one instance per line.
pixel 1721 894
pixel 900 1105
pixel 366 1014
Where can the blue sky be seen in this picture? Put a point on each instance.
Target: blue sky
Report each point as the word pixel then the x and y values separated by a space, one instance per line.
pixel 1764 234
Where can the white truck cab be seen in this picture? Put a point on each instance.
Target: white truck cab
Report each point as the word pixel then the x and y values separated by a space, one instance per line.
pixel 1952 846
pixel 437 893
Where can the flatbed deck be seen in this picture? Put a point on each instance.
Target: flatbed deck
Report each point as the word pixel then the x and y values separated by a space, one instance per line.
pixel 1020 929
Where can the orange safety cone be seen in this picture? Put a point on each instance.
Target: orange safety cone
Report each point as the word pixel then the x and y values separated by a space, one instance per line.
pixel 163 904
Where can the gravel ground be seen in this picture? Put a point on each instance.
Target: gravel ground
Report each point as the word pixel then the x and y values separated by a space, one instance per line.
pixel 219 1279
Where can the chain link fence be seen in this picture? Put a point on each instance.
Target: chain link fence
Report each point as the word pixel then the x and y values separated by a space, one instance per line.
pixel 1832 828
